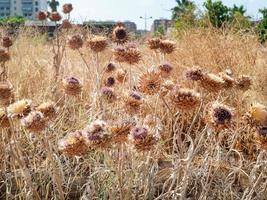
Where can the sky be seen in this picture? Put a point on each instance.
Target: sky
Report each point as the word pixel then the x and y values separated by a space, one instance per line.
pixel 121 10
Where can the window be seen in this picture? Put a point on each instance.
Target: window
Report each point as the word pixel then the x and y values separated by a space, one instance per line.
pixel 15 8
pixel 36 9
pixel 36 3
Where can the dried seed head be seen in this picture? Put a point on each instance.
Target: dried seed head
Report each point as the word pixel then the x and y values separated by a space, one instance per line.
pixel 41 15
pixel 142 139
pixel 66 24
pixel 48 109
pixel 110 81
pixel 261 137
pixel 229 81
pixel 96 135
pixel 7 42
pixel 212 82
pixel 166 87
pixel 150 83
pixel 72 85
pixel 194 74
pixel 129 54
pixel 185 99
pixel 243 83
pixel 4 121
pixel 154 43
pixel 110 67
pixel 120 131
pixel 67 8
pixel 34 121
pixel 121 75
pixel 73 144
pixel 120 35
pixel 167 46
pixel 20 108
pixel 54 16
pixel 135 95
pixel 6 93
pixel 258 113
pixel 108 94
pixel 97 43
pixel 165 70
pixel 4 56
pixel 219 116
pixel 132 102
pixel 75 42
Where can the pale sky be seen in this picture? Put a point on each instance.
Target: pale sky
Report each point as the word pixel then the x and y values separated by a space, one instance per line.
pixel 121 10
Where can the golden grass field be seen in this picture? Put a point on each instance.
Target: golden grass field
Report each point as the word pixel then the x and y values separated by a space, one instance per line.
pixel 180 151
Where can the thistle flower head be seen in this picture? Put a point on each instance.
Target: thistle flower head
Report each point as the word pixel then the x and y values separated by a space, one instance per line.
pixel 48 109
pixel 229 81
pixel 167 46
pixel 154 43
pixel 34 121
pixel 96 134
pixel 165 70
pixel 54 16
pixel 150 83
pixel 219 116
pixel 120 131
pixel 97 43
pixel 212 82
pixel 108 94
pixel 194 74
pixel 41 15
pixel 121 75
pixel 6 93
pixel 261 137
pixel 67 8
pixel 129 54
pixel 110 81
pixel 243 83
pixel 166 87
pixel 66 24
pixel 119 34
pixel 110 67
pixel 184 98
pixel 73 144
pixel 7 42
pixel 71 85
pixel 20 108
pixel 75 41
pixel 258 113
pixel 142 139
pixel 4 120
pixel 4 56
pixel 132 102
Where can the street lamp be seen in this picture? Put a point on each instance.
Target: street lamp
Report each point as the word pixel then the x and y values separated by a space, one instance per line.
pixel 145 18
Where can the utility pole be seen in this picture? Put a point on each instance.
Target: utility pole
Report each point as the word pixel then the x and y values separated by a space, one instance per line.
pixel 145 18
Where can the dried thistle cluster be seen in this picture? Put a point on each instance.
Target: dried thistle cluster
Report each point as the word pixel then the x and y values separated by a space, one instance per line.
pixel 165 46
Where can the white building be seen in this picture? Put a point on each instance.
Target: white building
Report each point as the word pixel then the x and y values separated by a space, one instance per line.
pixel 25 8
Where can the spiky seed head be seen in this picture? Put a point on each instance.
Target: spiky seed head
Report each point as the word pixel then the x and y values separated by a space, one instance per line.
pixel 194 74
pixel 167 46
pixel 4 56
pixel 229 81
pixel 110 67
pixel 34 121
pixel 261 137
pixel 110 81
pixel 6 93
pixel 142 139
pixel 154 43
pixel 20 108
pixel 96 135
pixel 150 83
pixel 97 43
pixel 165 70
pixel 258 113
pixel 67 8
pixel 135 95
pixel 7 42
pixel 120 34
pixel 75 41
pixel 166 87
pixel 243 83
pixel 66 24
pixel 219 116
pixel 132 102
pixel 212 82
pixel 4 120
pixel 120 131
pixel 128 54
pixel 41 15
pixel 121 75
pixel 71 85
pixel 55 16
pixel 185 99
pixel 73 144
pixel 48 109
pixel 108 94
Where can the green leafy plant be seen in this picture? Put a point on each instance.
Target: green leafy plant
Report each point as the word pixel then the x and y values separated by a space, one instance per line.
pixel 262 26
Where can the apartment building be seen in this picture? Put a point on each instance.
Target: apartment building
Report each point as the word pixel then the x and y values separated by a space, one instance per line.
pixel 25 8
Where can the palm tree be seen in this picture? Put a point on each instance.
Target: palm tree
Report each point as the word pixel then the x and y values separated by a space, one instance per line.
pixel 237 10
pixel 53 4
pixel 183 6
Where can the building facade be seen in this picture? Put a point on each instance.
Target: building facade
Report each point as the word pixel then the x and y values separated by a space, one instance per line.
pixel 164 23
pixel 25 8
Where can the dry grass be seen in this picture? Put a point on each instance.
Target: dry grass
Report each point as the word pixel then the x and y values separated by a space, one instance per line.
pixel 190 161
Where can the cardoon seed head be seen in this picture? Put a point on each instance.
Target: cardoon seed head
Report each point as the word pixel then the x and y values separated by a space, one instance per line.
pixel 261 137
pixel 258 113
pixel 41 15
pixel 194 74
pixel 212 82
pixel 20 108
pixel 7 42
pixel 71 85
pixel 120 131
pixel 243 83
pixel 110 67
pixel 108 94
pixel 48 109
pixel 67 8
pixel 34 121
pixel 165 70
pixel 167 46
pixel 229 81
pixel 132 103
pixel 73 144
pixel 97 43
pixel 154 43
pixel 75 42
pixel 129 54
pixel 66 24
pixel 121 75
pixel 6 93
pixel 110 81
pixel 119 34
pixel 135 95
pixel 55 16
pixel 4 56
pixel 150 83
pixel 4 120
